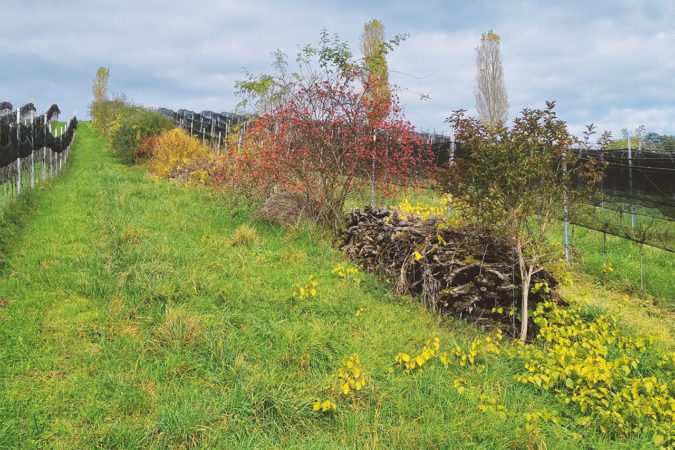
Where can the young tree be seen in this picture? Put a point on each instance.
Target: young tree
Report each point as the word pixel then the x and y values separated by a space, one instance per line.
pixel 377 97
pixel 491 100
pixel 516 181
pixel 261 93
pixel 375 63
pixel 100 87
pixel 319 144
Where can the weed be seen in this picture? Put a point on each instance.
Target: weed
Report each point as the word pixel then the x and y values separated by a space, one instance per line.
pixel 178 330
pixel 244 235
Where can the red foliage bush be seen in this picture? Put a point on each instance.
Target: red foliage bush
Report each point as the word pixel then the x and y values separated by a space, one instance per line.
pixel 145 148
pixel 328 139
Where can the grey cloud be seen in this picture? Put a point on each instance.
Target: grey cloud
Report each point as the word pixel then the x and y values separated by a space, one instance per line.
pixel 607 62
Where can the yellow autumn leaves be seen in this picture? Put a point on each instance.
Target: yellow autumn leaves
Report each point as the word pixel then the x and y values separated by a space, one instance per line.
pixel 590 365
pixel 350 379
pixel 422 210
pixel 409 364
pixel 303 292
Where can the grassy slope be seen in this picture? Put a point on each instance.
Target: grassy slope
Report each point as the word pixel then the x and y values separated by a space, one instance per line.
pixel 131 321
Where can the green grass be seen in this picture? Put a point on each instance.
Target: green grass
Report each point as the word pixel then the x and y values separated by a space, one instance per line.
pixel 133 321
pixel 658 266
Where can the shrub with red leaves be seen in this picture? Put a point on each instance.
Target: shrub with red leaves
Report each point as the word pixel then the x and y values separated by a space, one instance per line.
pixel 330 137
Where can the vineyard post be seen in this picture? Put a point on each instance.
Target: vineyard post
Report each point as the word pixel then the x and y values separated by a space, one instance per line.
pixel 51 156
pixel 61 154
pixel 65 150
pixel 566 221
pixel 44 150
pixel 56 154
pixel 372 173
pixel 18 155
pixel 451 161
pixel 32 157
pixel 630 185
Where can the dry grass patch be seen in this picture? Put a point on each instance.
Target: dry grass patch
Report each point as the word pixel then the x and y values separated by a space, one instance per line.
pixel 179 329
pixel 244 235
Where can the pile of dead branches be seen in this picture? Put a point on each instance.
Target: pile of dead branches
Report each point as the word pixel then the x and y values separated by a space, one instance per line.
pixel 465 271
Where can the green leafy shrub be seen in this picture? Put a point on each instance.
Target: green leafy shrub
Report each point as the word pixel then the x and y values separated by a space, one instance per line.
pixel 134 125
pixel 106 116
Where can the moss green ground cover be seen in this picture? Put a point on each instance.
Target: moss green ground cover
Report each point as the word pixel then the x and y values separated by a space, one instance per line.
pixel 136 316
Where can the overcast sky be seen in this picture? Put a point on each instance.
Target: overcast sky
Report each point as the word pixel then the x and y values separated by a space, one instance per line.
pixel 608 62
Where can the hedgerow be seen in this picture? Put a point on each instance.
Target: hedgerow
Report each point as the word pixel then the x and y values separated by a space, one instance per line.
pixel 134 125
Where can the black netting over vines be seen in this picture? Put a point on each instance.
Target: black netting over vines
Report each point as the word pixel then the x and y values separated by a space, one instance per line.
pixel 646 179
pixel 19 138
pixel 207 125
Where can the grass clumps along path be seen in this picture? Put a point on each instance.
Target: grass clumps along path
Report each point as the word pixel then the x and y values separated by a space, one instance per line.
pixel 142 314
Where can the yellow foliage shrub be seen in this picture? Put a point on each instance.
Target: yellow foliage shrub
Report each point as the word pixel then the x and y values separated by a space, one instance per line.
pixel 608 376
pixel 175 151
pixel 199 176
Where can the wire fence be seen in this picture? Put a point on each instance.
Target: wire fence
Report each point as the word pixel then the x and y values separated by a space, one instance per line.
pixel 637 200
pixel 210 126
pixel 32 148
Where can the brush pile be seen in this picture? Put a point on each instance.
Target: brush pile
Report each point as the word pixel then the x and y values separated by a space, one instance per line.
pixel 460 271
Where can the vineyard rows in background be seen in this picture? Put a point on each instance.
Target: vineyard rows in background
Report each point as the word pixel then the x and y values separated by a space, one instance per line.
pixel 638 192
pixel 32 148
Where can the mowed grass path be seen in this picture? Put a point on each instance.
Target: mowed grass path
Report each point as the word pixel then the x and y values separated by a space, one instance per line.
pixel 132 321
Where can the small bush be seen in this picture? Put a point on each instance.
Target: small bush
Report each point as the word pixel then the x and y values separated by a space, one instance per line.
pixel 145 147
pixel 135 124
pixel 106 115
pixel 176 152
pixel 244 235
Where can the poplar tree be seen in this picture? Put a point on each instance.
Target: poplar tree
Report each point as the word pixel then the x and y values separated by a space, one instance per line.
pixel 100 87
pixel 374 49
pixel 491 100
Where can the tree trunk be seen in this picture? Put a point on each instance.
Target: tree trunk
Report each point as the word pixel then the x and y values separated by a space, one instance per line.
pixel 525 289
pixel 525 277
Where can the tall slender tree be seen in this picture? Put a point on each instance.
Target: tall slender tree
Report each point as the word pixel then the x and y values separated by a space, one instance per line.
pixel 374 49
pixel 491 100
pixel 100 87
